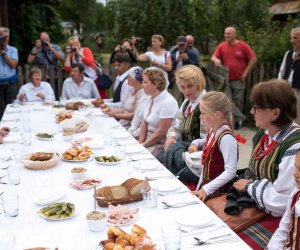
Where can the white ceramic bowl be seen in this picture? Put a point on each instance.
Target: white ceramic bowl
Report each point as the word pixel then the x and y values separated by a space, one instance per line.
pixel 97 225
pixel 79 175
pixel 68 137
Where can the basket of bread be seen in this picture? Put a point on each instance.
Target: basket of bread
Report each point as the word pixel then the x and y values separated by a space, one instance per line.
pixel 74 105
pixel 137 239
pixel 128 191
pixel 40 160
pixel 61 116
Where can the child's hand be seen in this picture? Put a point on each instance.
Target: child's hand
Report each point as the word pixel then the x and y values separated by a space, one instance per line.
pixel 202 195
pixel 192 148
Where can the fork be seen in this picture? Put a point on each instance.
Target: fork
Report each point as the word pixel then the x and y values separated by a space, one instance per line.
pixel 178 205
pixel 160 177
pixel 208 242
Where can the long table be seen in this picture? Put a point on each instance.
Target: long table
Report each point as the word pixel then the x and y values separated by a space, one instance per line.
pixel 29 229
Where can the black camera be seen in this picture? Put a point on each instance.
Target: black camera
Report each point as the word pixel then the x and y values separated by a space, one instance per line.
pixel 2 40
pixel 44 44
pixel 73 49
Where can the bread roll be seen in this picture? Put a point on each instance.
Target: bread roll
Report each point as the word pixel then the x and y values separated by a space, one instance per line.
pixel 109 246
pixel 136 229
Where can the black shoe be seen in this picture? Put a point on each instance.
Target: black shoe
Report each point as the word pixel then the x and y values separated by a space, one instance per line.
pixel 237 125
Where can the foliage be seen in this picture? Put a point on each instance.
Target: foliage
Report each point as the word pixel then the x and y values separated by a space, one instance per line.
pixel 33 19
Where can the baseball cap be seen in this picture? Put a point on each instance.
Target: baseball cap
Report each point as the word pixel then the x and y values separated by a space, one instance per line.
pixel 181 39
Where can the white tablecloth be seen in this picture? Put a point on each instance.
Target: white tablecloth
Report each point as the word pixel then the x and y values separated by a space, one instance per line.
pixel 28 229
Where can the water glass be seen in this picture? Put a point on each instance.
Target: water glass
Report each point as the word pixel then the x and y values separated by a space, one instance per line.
pixel 14 174
pixel 149 197
pixel 171 237
pixel 26 109
pixel 63 100
pixel 27 139
pixel 81 108
pixel 26 124
pixel 10 204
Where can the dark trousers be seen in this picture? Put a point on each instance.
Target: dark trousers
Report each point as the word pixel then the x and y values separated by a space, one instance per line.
pixel 8 93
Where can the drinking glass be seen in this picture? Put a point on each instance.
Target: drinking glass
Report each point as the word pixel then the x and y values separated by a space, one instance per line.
pixel 81 108
pixel 62 100
pixel 14 174
pixel 26 109
pixel 26 124
pixel 171 237
pixel 10 204
pixel 149 197
pixel 27 139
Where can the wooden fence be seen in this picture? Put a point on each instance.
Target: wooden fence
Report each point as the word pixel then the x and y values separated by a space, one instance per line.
pixel 217 78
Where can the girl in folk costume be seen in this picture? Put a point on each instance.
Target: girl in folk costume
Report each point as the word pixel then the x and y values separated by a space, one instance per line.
pixel 287 236
pixel 220 148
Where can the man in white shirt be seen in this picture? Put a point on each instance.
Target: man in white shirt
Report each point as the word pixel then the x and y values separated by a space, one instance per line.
pixel 36 90
pixel 78 86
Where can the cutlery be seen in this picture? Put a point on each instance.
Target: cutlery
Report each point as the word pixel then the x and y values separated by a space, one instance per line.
pixel 160 177
pixel 1 193
pixel 178 205
pixel 151 170
pixel 214 237
pixel 200 243
pixel 173 193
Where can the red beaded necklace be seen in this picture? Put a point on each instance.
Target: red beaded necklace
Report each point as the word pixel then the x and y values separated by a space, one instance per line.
pixel 259 151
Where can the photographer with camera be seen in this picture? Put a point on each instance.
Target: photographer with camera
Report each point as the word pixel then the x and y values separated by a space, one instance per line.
pixel 45 54
pixel 126 47
pixel 8 76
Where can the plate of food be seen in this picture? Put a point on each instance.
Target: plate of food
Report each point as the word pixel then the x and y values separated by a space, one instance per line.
pixel 45 136
pixel 49 197
pixel 108 160
pixel 58 211
pixel 81 140
pixel 166 185
pixel 121 215
pixel 85 183
pixel 77 154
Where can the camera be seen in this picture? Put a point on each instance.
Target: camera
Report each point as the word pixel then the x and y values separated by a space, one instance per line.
pixel 73 49
pixel 44 44
pixel 2 40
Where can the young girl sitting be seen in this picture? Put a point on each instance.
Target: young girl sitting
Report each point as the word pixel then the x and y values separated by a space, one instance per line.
pixel 287 236
pixel 220 149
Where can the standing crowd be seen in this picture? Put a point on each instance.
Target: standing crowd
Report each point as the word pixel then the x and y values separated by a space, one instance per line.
pixel 145 101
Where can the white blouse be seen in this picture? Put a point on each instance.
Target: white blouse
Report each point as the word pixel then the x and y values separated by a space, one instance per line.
pixel 164 106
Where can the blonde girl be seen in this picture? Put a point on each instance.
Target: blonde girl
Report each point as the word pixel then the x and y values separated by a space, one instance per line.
pixel 220 149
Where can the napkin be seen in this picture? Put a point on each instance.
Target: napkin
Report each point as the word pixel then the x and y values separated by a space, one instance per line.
pixel 194 166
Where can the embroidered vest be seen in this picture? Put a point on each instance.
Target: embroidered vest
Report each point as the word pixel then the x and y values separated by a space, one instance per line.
pixel 268 166
pixel 117 93
pixel 293 239
pixel 191 124
pixel 292 66
pixel 214 164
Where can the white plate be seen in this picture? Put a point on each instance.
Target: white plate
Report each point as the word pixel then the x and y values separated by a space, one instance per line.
pixel 196 155
pixel 108 163
pixel 133 149
pixel 164 185
pixel 5 165
pixel 133 220
pixel 12 138
pixel 148 165
pixel 12 110
pixel 83 160
pixel 190 220
pixel 4 154
pixel 49 198
pixel 39 108
pixel 75 213
pixel 87 187
pixel 121 135
pixel 93 144
pixel 98 113
pixel 45 139
pixel 11 118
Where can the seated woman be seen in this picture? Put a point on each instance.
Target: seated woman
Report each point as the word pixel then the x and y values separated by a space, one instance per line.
pixel 77 54
pixel 220 149
pixel 126 113
pixel 125 47
pixel 287 236
pixel 36 90
pixel 268 178
pixel 158 57
pixel 191 83
pixel 160 111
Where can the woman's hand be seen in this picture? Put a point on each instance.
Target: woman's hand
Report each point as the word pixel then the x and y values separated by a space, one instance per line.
pixel 240 185
pixel 170 140
pixel 202 195
pixel 192 148
pixel 4 131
